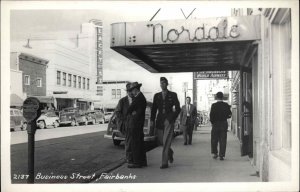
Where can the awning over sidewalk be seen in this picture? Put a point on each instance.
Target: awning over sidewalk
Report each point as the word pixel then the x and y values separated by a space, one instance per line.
pixel 211 44
pixel 15 100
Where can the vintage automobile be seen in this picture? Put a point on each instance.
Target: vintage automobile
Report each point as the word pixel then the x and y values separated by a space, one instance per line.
pixel 17 121
pixel 108 113
pixel 95 116
pixel 72 116
pixel 117 137
pixel 47 118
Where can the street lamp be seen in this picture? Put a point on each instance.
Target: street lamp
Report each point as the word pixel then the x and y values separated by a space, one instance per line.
pixel 27 45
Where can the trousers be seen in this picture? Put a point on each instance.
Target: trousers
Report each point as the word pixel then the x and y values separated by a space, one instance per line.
pixel 219 136
pixel 188 131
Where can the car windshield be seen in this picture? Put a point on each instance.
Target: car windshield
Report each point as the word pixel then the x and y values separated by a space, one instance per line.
pixel 50 114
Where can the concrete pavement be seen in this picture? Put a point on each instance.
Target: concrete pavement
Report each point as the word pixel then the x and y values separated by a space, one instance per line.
pixel 192 163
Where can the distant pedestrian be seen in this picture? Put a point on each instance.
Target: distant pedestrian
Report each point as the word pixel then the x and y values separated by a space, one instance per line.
pixel 122 124
pixel 220 112
pixel 168 107
pixel 188 117
pixel 136 119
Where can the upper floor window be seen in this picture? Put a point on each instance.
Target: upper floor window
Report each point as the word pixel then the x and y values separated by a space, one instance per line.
pixel 79 82
pixel 39 82
pixel 88 84
pixel 58 77
pixel 74 81
pixel 64 79
pixel 69 80
pixel 83 83
pixel 26 79
pixel 113 93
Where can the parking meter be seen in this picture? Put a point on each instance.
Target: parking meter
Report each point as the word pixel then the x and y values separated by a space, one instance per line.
pixel 31 111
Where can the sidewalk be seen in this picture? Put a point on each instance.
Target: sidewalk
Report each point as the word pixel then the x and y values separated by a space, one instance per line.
pixel 192 163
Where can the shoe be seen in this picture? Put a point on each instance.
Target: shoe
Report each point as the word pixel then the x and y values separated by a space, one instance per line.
pixel 164 166
pixel 190 143
pixel 184 143
pixel 221 158
pixel 215 156
pixel 134 166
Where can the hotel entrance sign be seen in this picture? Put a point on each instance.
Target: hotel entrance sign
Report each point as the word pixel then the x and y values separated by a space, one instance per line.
pixel 186 31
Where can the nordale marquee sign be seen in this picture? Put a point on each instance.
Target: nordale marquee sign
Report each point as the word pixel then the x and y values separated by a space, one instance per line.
pixel 186 31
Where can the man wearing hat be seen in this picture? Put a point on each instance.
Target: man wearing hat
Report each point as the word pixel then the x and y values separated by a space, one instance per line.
pixel 219 113
pixel 136 118
pixel 167 105
pixel 121 119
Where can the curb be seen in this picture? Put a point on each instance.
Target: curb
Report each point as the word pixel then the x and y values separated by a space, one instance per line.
pixel 106 169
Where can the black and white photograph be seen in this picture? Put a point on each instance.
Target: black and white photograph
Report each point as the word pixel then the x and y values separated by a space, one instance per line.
pixel 150 96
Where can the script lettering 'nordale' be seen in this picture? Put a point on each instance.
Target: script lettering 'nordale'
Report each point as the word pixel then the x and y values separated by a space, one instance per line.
pixel 200 33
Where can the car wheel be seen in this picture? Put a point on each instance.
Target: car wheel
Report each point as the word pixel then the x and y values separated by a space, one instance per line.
pixel 42 124
pixel 73 123
pixel 55 124
pixel 116 142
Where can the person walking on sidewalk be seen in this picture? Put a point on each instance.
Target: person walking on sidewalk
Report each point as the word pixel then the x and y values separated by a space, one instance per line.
pixel 219 113
pixel 188 116
pixel 168 107
pixel 136 119
pixel 121 119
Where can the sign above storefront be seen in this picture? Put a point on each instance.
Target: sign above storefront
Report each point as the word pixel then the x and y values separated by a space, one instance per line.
pixel 186 31
pixel 211 75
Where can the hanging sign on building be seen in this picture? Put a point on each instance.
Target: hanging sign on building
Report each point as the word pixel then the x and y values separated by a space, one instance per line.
pixel 211 75
pixel 185 31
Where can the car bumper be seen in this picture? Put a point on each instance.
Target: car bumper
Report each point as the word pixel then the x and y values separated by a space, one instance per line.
pixel 146 138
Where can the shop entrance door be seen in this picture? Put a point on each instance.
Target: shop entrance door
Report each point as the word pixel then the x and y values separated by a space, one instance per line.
pixel 247 115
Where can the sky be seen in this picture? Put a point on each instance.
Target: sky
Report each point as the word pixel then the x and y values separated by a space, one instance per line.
pixel 25 23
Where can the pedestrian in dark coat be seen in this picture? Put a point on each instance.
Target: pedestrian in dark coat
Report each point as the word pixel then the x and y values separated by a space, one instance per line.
pixel 219 113
pixel 122 124
pixel 136 119
pixel 168 107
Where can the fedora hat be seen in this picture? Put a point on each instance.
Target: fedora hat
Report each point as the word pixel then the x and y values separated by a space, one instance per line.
pixel 128 86
pixel 134 85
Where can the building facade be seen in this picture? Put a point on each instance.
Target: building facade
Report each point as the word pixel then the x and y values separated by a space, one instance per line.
pixel 71 74
pixel 28 75
pixel 262 97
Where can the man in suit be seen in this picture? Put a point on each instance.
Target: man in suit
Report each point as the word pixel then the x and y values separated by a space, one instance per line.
pixel 136 119
pixel 219 113
pixel 188 116
pixel 121 119
pixel 168 107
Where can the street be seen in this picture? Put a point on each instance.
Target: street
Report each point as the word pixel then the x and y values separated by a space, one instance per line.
pixel 75 152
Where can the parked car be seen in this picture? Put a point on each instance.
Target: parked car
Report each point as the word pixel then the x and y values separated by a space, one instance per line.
pixel 47 118
pixel 17 121
pixel 108 113
pixel 95 116
pixel 72 116
pixel 117 137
